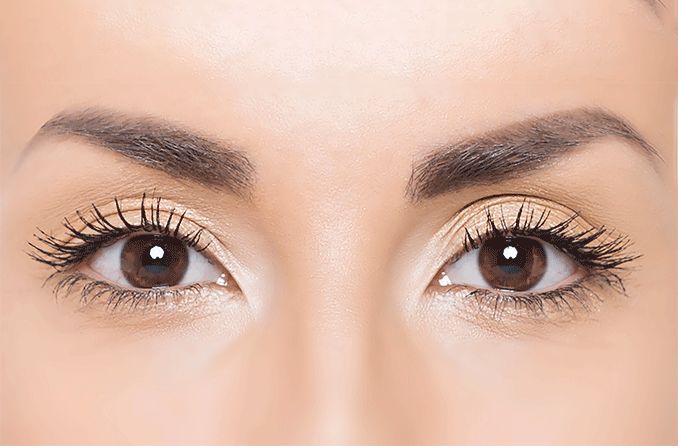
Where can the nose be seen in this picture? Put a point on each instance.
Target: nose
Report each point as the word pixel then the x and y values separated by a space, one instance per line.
pixel 333 362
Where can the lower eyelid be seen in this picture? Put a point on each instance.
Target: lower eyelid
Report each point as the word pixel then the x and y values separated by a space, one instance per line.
pixel 578 300
pixel 91 291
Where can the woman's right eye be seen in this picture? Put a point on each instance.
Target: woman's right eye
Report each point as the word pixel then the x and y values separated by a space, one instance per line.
pixel 157 258
pixel 154 261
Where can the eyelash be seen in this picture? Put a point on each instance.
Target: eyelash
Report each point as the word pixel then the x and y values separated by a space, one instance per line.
pixel 603 260
pixel 62 255
pixel 599 251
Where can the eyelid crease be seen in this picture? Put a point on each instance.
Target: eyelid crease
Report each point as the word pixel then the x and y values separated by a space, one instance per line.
pixel 473 219
pixel 529 216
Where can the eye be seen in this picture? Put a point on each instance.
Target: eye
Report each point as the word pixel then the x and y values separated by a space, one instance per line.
pixel 152 261
pixel 516 259
pixel 511 264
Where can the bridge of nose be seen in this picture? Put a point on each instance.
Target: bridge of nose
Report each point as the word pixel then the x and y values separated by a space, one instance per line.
pixel 347 356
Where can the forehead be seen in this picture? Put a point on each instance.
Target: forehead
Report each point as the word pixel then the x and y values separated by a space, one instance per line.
pixel 297 39
pixel 328 74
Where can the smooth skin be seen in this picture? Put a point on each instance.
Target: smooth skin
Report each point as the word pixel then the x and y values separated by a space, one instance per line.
pixel 333 101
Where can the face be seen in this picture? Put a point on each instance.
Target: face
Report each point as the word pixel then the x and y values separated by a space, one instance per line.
pixel 309 223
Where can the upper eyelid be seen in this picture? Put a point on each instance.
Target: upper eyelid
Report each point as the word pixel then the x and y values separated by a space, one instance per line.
pixel 474 216
pixel 131 213
pixel 605 242
pixel 83 239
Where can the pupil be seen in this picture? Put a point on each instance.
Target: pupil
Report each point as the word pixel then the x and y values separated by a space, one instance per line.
pixel 154 260
pixel 512 263
pixel 512 260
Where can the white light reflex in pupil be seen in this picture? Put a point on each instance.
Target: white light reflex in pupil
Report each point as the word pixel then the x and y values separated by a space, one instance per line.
pixel 157 253
pixel 510 252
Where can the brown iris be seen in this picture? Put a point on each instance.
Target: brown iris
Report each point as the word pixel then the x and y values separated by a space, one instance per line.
pixel 512 263
pixel 154 260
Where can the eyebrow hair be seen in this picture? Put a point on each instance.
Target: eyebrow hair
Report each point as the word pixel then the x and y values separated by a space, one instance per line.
pixel 515 150
pixel 655 4
pixel 159 144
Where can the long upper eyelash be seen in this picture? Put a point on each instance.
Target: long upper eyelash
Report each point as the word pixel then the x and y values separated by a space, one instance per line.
pixel 593 248
pixel 80 244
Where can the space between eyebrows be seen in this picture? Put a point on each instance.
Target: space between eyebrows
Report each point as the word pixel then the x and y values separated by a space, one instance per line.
pixel 158 144
pixel 517 149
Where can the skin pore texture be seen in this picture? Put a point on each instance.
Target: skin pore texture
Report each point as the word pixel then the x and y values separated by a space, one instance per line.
pixel 336 156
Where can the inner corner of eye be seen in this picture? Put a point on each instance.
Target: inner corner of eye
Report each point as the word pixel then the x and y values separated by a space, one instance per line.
pixel 443 279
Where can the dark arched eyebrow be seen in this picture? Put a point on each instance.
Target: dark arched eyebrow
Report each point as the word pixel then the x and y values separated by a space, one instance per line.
pixel 515 150
pixel 176 150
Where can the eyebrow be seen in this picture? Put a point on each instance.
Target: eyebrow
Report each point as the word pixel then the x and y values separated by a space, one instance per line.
pixel 159 144
pixel 516 150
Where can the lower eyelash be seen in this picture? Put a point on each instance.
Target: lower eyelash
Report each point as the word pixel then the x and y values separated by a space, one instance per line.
pixel 117 298
pixel 563 301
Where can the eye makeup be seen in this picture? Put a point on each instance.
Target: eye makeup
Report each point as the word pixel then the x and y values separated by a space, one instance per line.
pixel 524 227
pixel 600 258
pixel 168 237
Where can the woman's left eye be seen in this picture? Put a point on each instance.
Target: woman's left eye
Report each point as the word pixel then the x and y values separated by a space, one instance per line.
pixel 511 264
pixel 152 261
